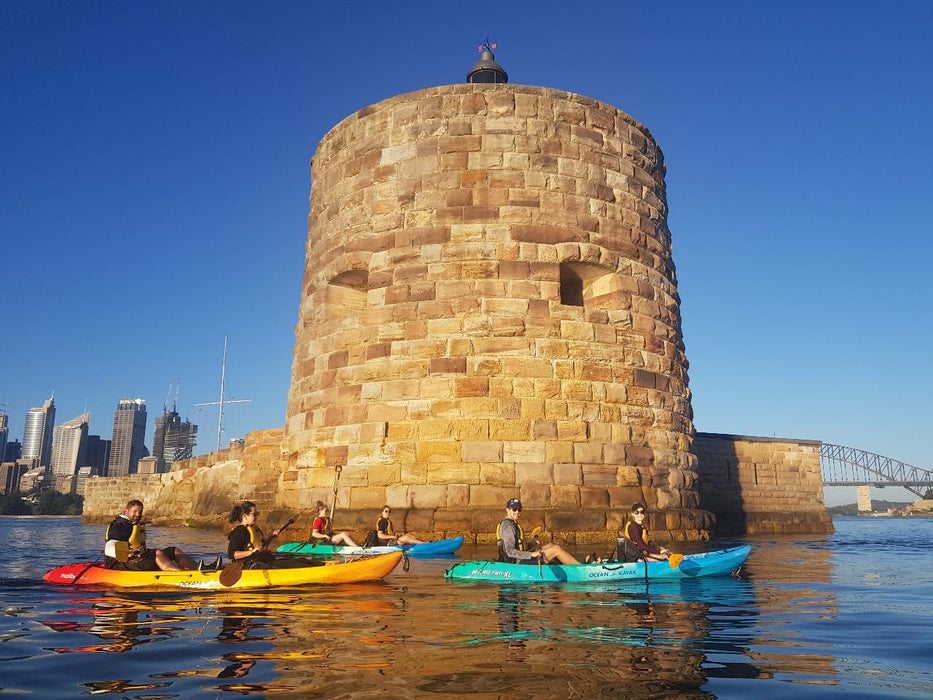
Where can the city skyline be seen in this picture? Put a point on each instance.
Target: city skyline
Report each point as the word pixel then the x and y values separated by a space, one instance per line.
pixel 794 136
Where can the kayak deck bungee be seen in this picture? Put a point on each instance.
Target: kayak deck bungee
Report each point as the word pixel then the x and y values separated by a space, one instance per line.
pixel 447 546
pixel 364 569
pixel 721 562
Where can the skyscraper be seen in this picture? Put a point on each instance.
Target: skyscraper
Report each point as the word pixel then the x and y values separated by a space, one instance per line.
pixel 69 443
pixel 129 433
pixel 37 437
pixel 4 433
pixel 97 455
pixel 173 440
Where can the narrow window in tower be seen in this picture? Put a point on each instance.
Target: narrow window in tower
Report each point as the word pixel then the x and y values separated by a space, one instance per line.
pixel 346 294
pixel 571 287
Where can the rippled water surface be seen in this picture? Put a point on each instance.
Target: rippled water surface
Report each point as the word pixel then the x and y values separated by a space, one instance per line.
pixel 810 617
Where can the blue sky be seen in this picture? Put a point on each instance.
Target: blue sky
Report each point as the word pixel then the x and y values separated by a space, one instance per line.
pixel 154 186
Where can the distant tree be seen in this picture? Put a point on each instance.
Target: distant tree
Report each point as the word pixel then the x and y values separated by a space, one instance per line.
pixel 55 503
pixel 12 504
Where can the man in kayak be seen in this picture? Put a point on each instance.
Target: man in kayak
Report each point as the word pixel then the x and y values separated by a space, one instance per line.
pixel 510 541
pixel 385 535
pixel 129 527
pixel 634 544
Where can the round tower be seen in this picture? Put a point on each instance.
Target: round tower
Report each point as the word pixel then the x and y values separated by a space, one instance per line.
pixel 489 310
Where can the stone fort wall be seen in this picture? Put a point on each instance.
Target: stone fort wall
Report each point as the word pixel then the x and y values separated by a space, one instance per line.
pixel 757 485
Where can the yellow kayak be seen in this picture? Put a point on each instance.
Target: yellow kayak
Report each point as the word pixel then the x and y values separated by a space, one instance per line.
pixel 94 574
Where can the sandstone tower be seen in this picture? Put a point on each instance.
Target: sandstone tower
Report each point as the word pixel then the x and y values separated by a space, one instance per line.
pixel 489 309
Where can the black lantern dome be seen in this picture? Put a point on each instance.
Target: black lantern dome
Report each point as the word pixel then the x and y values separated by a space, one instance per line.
pixel 486 70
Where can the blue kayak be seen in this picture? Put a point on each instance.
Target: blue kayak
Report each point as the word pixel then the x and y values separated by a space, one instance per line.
pixel 307 549
pixel 721 562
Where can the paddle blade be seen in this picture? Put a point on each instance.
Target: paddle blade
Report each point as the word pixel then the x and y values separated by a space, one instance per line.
pixel 674 560
pixel 231 574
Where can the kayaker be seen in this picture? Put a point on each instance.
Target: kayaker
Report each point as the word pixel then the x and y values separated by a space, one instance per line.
pixel 634 543
pixel 321 529
pixel 129 527
pixel 244 543
pixel 510 541
pixel 386 535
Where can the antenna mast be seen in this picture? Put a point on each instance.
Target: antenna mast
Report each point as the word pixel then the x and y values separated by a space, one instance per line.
pixel 223 402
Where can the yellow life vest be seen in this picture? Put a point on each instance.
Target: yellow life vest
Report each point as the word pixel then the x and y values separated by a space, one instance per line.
pixel 137 538
pixel 644 532
pixel 255 537
pixel 389 530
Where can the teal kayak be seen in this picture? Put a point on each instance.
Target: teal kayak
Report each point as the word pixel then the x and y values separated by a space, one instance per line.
pixel 448 546
pixel 717 563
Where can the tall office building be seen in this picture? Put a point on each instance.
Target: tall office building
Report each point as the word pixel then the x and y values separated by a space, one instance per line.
pixel 4 433
pixel 68 446
pixel 173 440
pixel 129 432
pixel 37 438
pixel 97 455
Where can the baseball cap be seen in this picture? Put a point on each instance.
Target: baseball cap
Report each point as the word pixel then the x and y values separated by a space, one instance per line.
pixel 514 504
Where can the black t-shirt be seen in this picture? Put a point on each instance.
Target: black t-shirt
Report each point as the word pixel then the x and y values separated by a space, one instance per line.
pixel 238 540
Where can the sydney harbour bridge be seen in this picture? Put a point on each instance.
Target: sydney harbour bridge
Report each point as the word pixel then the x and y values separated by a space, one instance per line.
pixel 848 466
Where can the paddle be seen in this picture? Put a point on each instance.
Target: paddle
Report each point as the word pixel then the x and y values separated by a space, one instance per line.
pixel 337 470
pixel 116 549
pixel 536 545
pixel 674 560
pixel 232 572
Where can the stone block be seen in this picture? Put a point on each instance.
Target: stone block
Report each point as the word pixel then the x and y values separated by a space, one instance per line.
pixel 558 452
pixel 533 473
pixel 497 474
pixel 452 473
pixel 482 496
pixel 591 452
pixel 373 497
pixel 599 475
pixel 481 451
pixel 523 451
pixel 564 496
pixel 511 430
pixel 430 452
pixel 384 474
pixel 427 496
pixel 458 495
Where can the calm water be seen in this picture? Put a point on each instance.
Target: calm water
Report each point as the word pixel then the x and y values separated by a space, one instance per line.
pixel 811 617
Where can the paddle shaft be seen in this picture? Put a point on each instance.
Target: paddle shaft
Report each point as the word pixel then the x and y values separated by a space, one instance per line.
pixel 337 470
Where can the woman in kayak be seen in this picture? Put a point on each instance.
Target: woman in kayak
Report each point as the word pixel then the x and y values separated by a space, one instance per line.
pixel 321 529
pixel 510 541
pixel 244 543
pixel 634 544
pixel 387 536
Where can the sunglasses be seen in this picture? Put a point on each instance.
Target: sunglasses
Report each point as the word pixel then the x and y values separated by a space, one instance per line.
pixel 639 512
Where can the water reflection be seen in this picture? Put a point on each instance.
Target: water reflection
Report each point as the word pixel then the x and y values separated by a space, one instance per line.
pixel 416 634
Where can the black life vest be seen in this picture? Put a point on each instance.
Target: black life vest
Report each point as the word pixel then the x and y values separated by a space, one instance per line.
pixel 519 540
